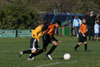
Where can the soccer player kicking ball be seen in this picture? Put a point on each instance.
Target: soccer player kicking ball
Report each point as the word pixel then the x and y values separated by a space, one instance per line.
pixel 82 35
pixel 36 35
pixel 48 37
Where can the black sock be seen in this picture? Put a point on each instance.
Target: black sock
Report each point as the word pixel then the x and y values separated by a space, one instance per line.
pixel 85 46
pixel 76 47
pixel 39 52
pixel 26 51
pixel 32 55
pixel 52 49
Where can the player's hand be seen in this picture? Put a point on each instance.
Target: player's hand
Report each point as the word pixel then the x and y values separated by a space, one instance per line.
pixel 59 41
pixel 38 41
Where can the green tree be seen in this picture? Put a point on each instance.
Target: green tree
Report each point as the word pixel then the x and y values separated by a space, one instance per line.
pixel 17 16
pixel 85 6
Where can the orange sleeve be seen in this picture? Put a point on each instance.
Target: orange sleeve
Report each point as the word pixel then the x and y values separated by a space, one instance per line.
pixel 50 28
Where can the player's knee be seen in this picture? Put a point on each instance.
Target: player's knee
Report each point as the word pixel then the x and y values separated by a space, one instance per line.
pixel 55 43
pixel 85 42
pixel 33 51
pixel 79 43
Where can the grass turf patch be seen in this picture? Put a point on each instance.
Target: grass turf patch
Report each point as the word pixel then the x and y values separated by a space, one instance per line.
pixel 9 49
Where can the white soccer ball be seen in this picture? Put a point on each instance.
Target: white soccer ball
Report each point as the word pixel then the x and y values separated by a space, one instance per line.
pixel 67 56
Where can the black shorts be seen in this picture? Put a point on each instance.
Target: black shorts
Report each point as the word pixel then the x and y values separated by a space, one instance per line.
pixel 82 38
pixel 47 39
pixel 34 44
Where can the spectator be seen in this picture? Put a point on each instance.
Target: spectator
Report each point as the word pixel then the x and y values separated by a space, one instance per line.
pixel 90 25
pixel 96 29
pixel 76 24
pixel 98 19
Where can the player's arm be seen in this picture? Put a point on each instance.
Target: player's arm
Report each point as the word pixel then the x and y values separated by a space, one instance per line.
pixel 45 31
pixel 37 30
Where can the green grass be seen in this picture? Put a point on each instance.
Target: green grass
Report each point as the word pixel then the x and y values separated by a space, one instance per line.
pixel 9 49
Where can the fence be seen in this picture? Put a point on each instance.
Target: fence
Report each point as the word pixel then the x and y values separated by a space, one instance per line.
pixel 7 33
pixel 64 31
pixel 14 33
pixel 27 33
pixel 24 33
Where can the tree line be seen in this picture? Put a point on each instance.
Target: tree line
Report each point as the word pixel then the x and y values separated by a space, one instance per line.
pixel 23 14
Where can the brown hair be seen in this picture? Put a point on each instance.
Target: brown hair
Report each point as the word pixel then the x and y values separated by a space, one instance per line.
pixel 41 22
pixel 97 21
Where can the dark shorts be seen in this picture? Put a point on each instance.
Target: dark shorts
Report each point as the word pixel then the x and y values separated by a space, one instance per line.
pixel 47 39
pixel 82 38
pixel 34 44
pixel 96 34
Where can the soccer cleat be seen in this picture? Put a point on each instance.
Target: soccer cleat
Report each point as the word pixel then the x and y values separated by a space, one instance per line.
pixel 49 57
pixel 30 59
pixel 20 53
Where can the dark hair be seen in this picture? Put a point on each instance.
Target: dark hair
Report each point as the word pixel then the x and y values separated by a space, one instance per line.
pixel 58 22
pixel 83 18
pixel 42 22
pixel 97 21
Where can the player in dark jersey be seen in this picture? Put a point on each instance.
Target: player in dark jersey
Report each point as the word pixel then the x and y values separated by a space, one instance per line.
pixel 48 37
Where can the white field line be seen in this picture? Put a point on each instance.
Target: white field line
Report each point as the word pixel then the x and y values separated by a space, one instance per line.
pixel 56 63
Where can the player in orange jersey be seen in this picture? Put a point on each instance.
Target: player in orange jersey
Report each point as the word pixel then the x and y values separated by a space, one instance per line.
pixel 48 37
pixel 82 35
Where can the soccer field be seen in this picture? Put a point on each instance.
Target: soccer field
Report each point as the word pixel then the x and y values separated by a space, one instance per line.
pixel 9 49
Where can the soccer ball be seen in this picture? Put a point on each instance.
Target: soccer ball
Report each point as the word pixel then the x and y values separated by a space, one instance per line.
pixel 67 56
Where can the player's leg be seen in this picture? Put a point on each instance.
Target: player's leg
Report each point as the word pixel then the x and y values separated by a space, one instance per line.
pixel 89 33
pixel 92 32
pixel 55 44
pixel 85 46
pixel 27 51
pixel 80 40
pixel 45 44
pixel 97 38
pixel 43 49
pixel 24 52
pixel 33 47
pixel 85 43
pixel 33 52
pixel 77 45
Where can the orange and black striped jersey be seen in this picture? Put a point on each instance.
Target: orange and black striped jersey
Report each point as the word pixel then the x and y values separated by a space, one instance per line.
pixel 83 28
pixel 50 30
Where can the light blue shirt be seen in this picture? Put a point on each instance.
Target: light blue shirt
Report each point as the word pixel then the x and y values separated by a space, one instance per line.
pixel 77 22
pixel 96 28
